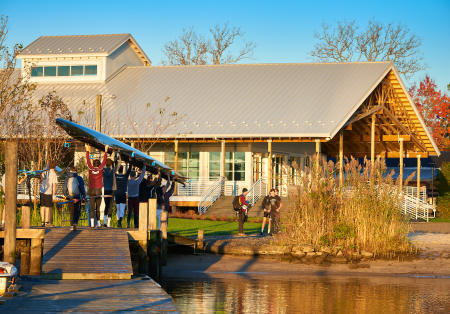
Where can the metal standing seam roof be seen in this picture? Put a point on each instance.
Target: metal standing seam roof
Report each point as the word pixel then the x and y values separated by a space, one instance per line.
pixel 76 44
pixel 254 100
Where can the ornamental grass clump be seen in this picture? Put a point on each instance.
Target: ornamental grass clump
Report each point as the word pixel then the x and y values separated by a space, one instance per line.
pixel 361 214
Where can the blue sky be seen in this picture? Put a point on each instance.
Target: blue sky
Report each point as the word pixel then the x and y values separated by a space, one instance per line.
pixel 282 30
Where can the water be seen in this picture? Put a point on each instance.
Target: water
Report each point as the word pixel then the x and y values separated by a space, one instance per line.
pixel 315 294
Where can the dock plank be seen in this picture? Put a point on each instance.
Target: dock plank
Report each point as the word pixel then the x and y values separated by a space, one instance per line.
pixel 86 254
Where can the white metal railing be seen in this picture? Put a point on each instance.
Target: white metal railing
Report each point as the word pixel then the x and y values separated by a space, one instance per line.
pixel 412 191
pixel 416 207
pixel 258 190
pixel 194 187
pixel 211 195
pixel 22 189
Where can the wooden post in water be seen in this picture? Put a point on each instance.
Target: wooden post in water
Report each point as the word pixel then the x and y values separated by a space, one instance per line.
pixel 36 256
pixel 143 228
pixel 9 250
pixel 26 218
pixel 200 239
pixel 152 217
pixel 24 263
pixel 164 216
pixel 154 252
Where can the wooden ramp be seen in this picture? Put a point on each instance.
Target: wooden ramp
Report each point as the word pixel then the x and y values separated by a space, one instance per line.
pixel 86 254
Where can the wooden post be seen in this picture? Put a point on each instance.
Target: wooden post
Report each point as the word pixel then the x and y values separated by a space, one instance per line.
pixel 222 163
pixel 341 158
pixel 9 250
pixel 401 164
pixel 36 256
pixel 164 244
pixel 143 228
pixel 152 217
pixel 372 143
pixel 200 238
pixel 98 114
pixel 317 153
pixel 269 164
pixel 154 252
pixel 26 218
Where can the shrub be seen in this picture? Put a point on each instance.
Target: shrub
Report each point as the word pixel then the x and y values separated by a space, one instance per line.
pixel 363 214
pixel 443 201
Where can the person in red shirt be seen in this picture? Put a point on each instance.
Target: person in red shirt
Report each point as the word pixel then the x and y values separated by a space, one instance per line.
pixel 95 184
pixel 242 211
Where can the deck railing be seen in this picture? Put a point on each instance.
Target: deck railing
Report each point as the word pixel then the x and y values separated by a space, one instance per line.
pixel 211 195
pixel 258 190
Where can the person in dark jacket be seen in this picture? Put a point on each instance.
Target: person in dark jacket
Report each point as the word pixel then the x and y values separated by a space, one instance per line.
pixel 109 186
pixel 122 176
pixel 133 197
pixel 74 190
pixel 168 192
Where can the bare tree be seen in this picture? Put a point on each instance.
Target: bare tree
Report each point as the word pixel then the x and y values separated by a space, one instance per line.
pixel 191 48
pixel 377 42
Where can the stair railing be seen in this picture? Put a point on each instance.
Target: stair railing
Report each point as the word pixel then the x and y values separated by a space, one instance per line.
pixel 211 195
pixel 258 190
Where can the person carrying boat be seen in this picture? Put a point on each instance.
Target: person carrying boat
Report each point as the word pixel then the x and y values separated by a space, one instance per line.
pixel 74 190
pixel 133 196
pixel 109 187
pixel 47 192
pixel 95 184
pixel 122 176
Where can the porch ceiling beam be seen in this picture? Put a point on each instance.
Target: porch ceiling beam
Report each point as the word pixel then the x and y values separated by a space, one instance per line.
pixel 396 138
pixel 364 115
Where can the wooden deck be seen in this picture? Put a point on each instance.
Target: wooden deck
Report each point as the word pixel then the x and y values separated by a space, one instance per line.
pixel 89 296
pixel 86 254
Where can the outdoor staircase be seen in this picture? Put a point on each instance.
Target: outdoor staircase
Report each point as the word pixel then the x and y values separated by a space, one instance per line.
pixel 86 254
pixel 223 207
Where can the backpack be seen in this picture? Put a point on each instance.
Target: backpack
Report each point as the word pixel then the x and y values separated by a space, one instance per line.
pixel 236 203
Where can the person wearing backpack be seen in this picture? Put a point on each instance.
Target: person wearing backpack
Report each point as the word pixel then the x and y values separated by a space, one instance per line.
pixel 74 190
pixel 243 207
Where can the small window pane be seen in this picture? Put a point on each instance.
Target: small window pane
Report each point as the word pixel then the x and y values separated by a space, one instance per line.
pixel 90 70
pixel 77 70
pixel 64 71
pixel 37 71
pixel 49 71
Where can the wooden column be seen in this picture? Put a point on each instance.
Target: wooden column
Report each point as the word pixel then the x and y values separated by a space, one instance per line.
pixel 418 176
pixel 9 250
pixel 98 114
pixel 152 218
pixel 341 158
pixel 175 163
pixel 372 142
pixel 317 153
pixel 24 263
pixel 222 163
pixel 401 164
pixel 269 165
pixel 200 239
pixel 36 256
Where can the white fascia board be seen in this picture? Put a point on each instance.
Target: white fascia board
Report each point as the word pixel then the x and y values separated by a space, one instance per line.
pixel 360 102
pixel 223 136
pixel 72 55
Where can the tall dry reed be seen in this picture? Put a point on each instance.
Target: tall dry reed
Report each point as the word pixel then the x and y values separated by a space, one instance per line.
pixel 362 214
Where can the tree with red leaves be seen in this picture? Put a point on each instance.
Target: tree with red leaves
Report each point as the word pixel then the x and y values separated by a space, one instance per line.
pixel 434 105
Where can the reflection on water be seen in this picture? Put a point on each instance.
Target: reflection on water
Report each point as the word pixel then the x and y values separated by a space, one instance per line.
pixel 311 295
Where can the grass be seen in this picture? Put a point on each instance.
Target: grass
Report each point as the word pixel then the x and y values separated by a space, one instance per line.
pixel 440 219
pixel 189 227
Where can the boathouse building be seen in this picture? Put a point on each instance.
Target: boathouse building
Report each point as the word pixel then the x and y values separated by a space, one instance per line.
pixel 230 126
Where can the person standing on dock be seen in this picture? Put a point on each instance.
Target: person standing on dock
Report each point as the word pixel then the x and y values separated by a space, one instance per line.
pixel 242 211
pixel 133 197
pixel 47 192
pixel 95 184
pixel 122 176
pixel 74 190
pixel 109 186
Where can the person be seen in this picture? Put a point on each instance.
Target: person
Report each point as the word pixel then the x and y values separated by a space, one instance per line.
pixel 109 186
pixel 267 207
pixel 145 189
pixel 2 189
pixel 95 185
pixel 133 197
pixel 74 190
pixel 168 192
pixel 47 191
pixel 275 213
pixel 242 211
pixel 122 176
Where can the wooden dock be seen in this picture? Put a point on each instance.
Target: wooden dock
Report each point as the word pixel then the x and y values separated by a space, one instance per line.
pixel 86 254
pixel 89 296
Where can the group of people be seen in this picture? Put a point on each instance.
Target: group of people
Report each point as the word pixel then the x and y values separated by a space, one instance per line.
pixel 271 206
pixel 109 180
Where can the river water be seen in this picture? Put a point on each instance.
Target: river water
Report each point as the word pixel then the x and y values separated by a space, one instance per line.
pixel 314 294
